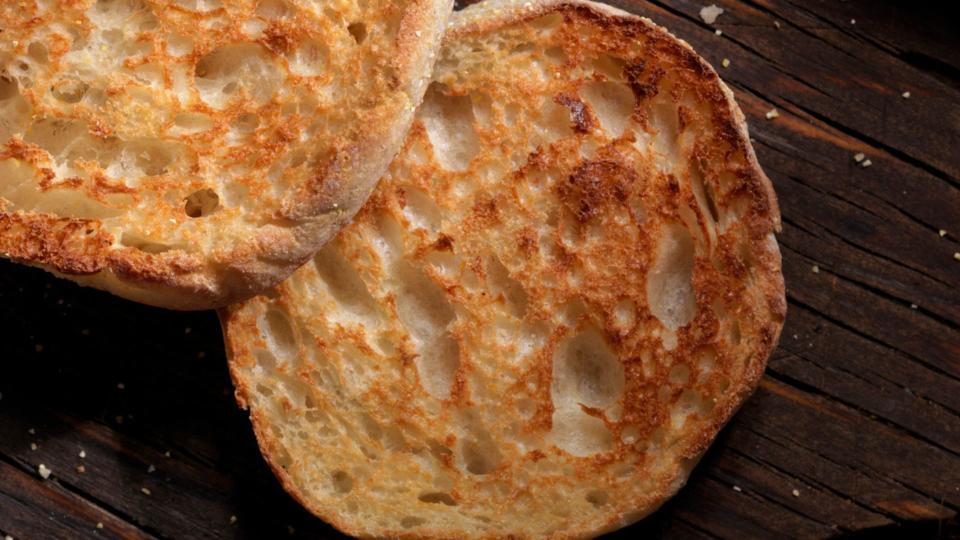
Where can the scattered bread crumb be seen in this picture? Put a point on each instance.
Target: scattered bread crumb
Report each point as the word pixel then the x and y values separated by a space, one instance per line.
pixel 726 62
pixel 233 519
pixel 853 21
pixel 866 163
pixel 120 386
pixel 777 24
pixel 33 446
pixel 8 537
pixel 906 95
pixel 32 431
pixel 858 157
pixel 81 469
pixel 737 489
pixel 99 525
pixel 913 306
pixel 290 529
pixel 773 113
pixel 710 13
pixel 166 454
pixel 942 233
pixel 719 32
pixel 815 269
pixel 796 493
pixel 146 491
pixel 83 454
pixel 956 256
pixel 44 471
pixel 151 469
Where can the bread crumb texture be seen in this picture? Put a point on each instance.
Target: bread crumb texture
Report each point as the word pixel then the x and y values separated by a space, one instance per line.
pixel 565 285
pixel 204 146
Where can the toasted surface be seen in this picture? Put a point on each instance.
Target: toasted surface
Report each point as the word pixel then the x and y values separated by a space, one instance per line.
pixel 564 287
pixel 190 153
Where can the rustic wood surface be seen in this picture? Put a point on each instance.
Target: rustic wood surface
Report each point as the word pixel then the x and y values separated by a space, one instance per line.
pixel 855 430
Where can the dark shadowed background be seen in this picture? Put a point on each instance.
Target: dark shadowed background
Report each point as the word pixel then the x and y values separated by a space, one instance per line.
pixel 855 430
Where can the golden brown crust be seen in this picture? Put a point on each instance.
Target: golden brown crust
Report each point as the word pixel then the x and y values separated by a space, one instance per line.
pixel 579 216
pixel 270 119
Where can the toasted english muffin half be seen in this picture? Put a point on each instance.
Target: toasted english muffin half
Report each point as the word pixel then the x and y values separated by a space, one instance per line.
pixel 564 287
pixel 191 153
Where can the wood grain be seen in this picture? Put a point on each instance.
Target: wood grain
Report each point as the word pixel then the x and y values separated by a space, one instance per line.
pixel 854 432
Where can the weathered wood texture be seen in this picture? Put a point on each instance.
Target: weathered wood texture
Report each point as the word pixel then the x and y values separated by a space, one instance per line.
pixel 854 431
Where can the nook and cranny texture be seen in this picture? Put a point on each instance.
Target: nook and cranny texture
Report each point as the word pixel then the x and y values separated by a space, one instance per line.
pixel 565 285
pixel 190 153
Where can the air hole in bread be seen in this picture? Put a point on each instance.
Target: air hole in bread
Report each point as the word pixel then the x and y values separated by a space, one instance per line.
pixel 554 122
pixel 706 361
pixel 734 332
pixel 482 108
pixel 480 455
pixel 69 90
pixel 670 291
pixel 556 55
pixel 277 331
pixel 679 374
pixel 55 134
pixel 178 45
pixel 266 361
pixel 8 87
pixel 201 203
pixel 522 48
pixel 144 245
pixel 151 74
pixel 387 239
pixel 449 121
pixel 310 59
pixel 586 370
pixel 344 284
pixel 189 123
pixel 38 52
pixel 500 281
pixel 597 497
pixel 666 123
pixel 342 483
pixel 613 103
pixel 547 22
pixel 579 434
pixel 15 111
pixel 410 522
pixel 610 67
pixel 709 199
pixel 426 313
pixel 421 210
pixel 359 32
pixel 437 498
pixel 244 125
pixel 688 404
pixel 150 157
pixel 273 9
pixel 200 6
pixel 232 69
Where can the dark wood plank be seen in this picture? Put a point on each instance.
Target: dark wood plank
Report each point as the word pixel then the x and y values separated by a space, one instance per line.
pixel 859 412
